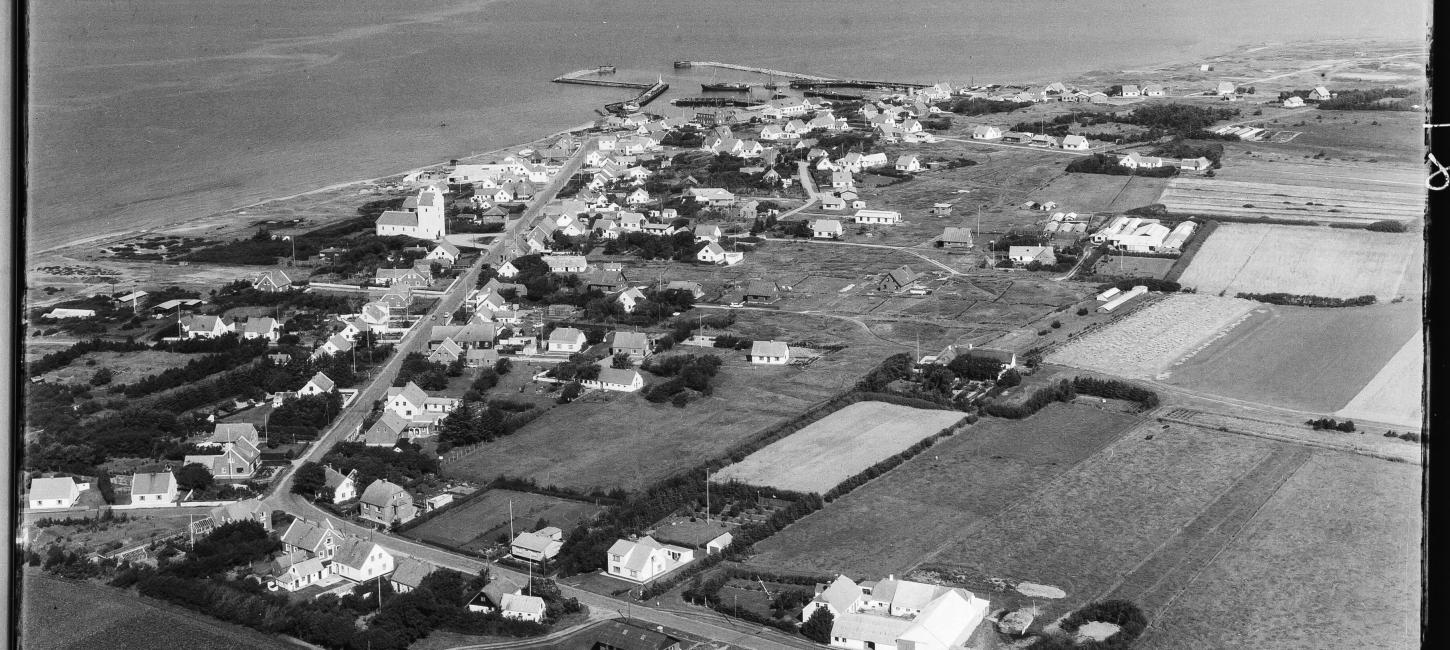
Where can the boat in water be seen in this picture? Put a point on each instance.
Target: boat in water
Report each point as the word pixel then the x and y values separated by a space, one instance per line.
pixel 683 64
pixel 727 86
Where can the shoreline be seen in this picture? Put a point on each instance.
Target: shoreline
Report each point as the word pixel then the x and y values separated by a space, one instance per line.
pixel 1078 77
pixel 126 234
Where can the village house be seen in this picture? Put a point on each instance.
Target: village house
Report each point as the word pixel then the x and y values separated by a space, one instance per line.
pixel 333 346
pixel 1294 101
pixel 361 560
pixel 707 232
pixel 314 539
pixel 206 327
pixel 1075 143
pixel 1130 90
pixel 986 132
pixel 54 493
pixel 264 327
pixel 1154 90
pixel 694 288
pixel 1225 88
pixel 1195 164
pixel 908 163
pixel 341 487
pixel 566 263
pixel 237 461
pixel 412 277
pixel 1320 93
pixel 878 217
pixel 1023 255
pixel 627 380
pixel 645 559
pixel 769 352
pixel 272 281
pixel 956 237
pixel 1134 160
pixel 245 510
pixel 293 572
pixel 444 252
pixel 386 431
pixel 630 298
pixel 409 401
pixel 319 384
pixel 386 503
pixel 761 291
pixel 635 344
pixel 826 229
pixel 832 202
pixel 408 573
pixel 154 488
pixel 898 614
pixel 566 339
pixel 898 279
pixel 538 546
pixel 713 196
pixel 519 607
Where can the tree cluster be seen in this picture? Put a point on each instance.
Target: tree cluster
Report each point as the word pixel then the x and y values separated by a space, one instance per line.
pixel 1104 164
pixel 1331 424
pixel 1301 300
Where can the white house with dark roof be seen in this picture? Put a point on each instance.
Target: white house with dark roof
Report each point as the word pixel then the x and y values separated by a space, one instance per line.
pixel 206 327
pixel 1075 143
pixel 320 384
pixel 293 572
pixel 229 432
pixel 908 163
pixel 826 229
pixel 343 487
pixel 627 380
pixel 444 252
pixel 154 489
pixel 237 461
pixel 770 352
pixel 519 607
pixel 412 403
pixel 334 345
pixel 566 339
pixel 645 559
pixel 1030 254
pixel 264 327
pixel 53 493
pixel 538 546
pixel 317 539
pixel 361 560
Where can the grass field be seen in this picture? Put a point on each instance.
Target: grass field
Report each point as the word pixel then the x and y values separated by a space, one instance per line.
pixel 477 524
pixel 838 446
pixel 1301 260
pixel 1302 357
pixel 629 442
pixel 57 614
pixel 1100 192
pixel 126 367
pixel 1090 527
pixel 1394 396
pixel 1331 561
pixel 1150 340
pixel 952 489
pixel 1127 266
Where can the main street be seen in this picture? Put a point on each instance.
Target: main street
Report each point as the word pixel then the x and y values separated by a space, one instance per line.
pixel 280 496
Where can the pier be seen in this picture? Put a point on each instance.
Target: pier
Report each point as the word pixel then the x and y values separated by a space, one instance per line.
pixel 714 101
pixel 582 77
pixel 855 83
pixel 651 92
pixel 746 68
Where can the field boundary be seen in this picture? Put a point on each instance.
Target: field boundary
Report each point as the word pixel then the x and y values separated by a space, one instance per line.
pixel 1184 416
pixel 1220 522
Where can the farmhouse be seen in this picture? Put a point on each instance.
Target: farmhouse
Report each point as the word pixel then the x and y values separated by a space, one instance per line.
pixel 386 503
pixel 886 217
pixel 1134 161
pixel 1007 358
pixel 1030 254
pixel 155 489
pixel 645 559
pixel 1195 164
pixel 826 229
pixel 894 614
pixel 770 352
pixel 539 546
pixel 54 493
pixel 566 263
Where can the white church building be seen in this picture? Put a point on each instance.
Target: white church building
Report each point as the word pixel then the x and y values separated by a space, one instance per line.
pixel 421 217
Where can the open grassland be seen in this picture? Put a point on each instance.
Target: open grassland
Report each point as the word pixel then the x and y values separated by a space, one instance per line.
pixel 838 446
pixel 1100 192
pixel 622 440
pixel 61 614
pixel 1365 440
pixel 125 367
pixel 1150 340
pixel 1214 196
pixel 1092 526
pixel 1395 395
pixel 1305 358
pixel 476 525
pixel 1336 263
pixel 950 490
pixel 1331 561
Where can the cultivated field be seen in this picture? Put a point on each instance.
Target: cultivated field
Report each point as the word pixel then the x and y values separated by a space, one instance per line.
pixel 1312 359
pixel 1100 192
pixel 1127 266
pixel 57 614
pixel 1324 204
pixel 1331 561
pixel 951 490
pixel 1163 501
pixel 1335 263
pixel 1149 341
pixel 838 446
pixel 625 441
pixel 477 524
pixel 1395 395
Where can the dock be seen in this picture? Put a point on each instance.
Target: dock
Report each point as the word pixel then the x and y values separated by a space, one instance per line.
pixel 855 83
pixel 651 91
pixel 714 101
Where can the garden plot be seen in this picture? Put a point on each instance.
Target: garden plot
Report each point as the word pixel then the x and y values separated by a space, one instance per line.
pixel 838 446
pixel 1335 263
pixel 1151 340
pixel 1201 196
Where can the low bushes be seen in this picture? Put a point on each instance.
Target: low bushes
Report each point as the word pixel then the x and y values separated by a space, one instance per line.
pixel 1300 300
pixel 1115 389
pixel 63 358
pixel 1104 164
pixel 1322 424
pixel 1062 391
pixel 1128 617
pixel 1153 284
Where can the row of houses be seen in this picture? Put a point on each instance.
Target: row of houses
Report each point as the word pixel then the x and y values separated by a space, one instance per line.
pixel 1070 142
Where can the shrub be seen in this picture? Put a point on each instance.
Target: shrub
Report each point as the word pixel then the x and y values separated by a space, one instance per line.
pixel 1387 225
pixel 1082 311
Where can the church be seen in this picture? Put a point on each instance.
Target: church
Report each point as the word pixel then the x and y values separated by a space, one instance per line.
pixel 421 217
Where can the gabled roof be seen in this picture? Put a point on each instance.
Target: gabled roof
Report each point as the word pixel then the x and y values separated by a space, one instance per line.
pixel 954 234
pixel 353 552
pixel 53 488
pixel 410 392
pixel 535 542
pixel 769 349
pixel 308 535
pixel 225 432
pixel 903 276
pixel 624 636
pixel 410 571
pixel 152 483
pixel 871 628
pixel 565 335
pixel 618 376
pixel 761 288
pixel 628 340
pixel 522 604
pixel 323 382
pixel 497 588
pixel 333 478
pixel 381 493
pixel 398 218
pixel 386 430
pixel 841 594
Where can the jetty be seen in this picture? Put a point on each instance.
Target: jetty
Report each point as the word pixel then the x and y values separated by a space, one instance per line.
pixel 651 92
pixel 714 101
pixel 854 83
pixel 583 77
pixel 746 68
